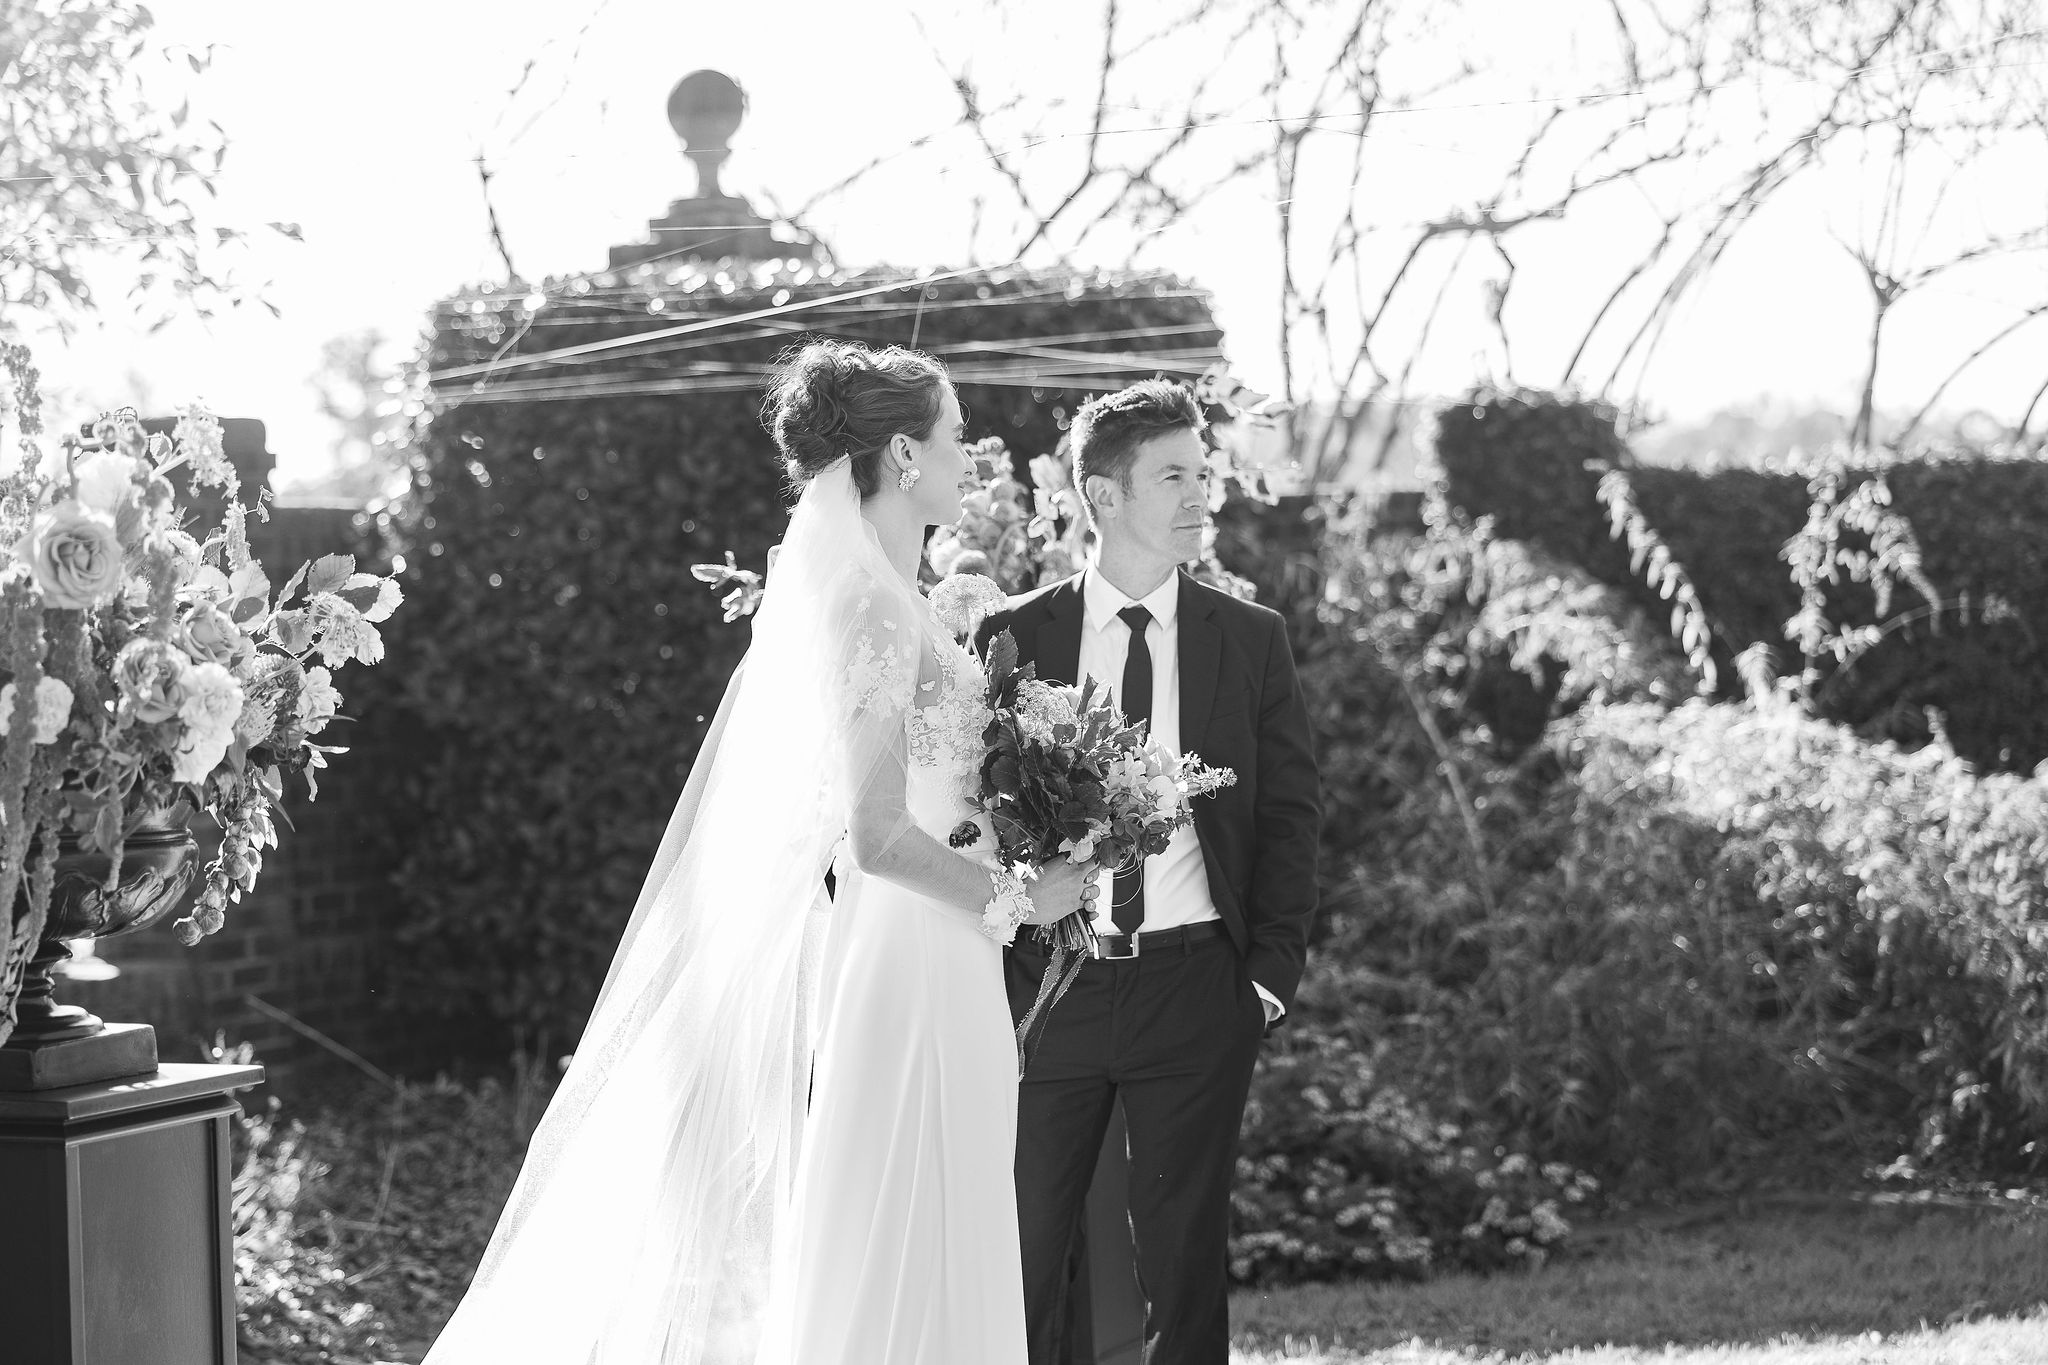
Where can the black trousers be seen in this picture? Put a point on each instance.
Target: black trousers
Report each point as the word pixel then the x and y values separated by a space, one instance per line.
pixel 1173 1034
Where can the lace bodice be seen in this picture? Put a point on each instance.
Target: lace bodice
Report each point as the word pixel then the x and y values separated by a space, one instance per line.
pixel 946 725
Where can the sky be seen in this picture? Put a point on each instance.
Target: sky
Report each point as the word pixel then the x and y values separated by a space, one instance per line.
pixel 361 125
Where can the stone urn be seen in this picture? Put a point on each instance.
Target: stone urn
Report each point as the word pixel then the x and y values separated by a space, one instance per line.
pixel 158 866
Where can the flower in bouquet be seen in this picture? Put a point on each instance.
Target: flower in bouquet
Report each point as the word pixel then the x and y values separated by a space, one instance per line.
pixel 964 600
pixel 74 556
pixel 53 709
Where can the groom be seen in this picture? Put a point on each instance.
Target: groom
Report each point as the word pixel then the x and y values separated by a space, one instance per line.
pixel 1202 946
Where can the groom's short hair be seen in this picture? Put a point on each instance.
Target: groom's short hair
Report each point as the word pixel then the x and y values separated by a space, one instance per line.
pixel 1108 430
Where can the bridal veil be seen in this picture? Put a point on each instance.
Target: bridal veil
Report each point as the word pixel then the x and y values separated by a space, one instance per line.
pixel 643 1229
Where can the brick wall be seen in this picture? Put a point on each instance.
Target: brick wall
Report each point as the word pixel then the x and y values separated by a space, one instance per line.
pixel 310 941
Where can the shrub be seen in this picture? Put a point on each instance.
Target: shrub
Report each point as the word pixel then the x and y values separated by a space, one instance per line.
pixel 295 1301
pixel 556 660
pixel 1710 944
pixel 1976 657
pixel 1340 1176
pixel 1578 942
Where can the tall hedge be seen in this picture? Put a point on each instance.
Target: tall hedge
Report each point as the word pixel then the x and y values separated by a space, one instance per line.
pixel 1532 462
pixel 555 663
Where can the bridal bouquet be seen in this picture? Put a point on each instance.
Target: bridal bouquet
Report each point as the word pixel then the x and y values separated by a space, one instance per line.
pixel 1064 774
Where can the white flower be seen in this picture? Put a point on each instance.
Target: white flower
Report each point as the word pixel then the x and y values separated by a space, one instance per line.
pixel 105 480
pixel 199 439
pixel 183 551
pixel 200 752
pixel 208 584
pixel 53 709
pixel 1166 798
pixel 213 700
pixel 1549 1224
pixel 963 601
pixel 1041 706
pixel 318 701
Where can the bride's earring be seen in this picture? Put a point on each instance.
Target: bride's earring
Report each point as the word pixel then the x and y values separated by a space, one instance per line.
pixel 911 475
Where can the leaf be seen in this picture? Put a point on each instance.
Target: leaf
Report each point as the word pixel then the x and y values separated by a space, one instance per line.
pixel 293 586
pixel 1002 663
pixel 361 598
pixel 328 573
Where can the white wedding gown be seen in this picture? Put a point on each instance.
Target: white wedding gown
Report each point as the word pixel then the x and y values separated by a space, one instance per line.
pixel 905 1219
pixel 786 1136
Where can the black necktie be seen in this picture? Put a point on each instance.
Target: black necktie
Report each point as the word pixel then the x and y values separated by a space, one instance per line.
pixel 1127 894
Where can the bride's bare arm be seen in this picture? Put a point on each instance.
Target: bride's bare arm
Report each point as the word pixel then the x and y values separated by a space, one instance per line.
pixel 882 659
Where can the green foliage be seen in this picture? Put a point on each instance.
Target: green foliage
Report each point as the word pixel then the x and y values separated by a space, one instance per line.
pixel 556 660
pixel 93 165
pixel 1687 944
pixel 1532 462
pixel 295 1297
pixel 1341 1176
pixel 1665 945
pixel 1806 559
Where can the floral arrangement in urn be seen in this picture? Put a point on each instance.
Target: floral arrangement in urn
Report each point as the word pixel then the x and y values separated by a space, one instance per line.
pixel 152 669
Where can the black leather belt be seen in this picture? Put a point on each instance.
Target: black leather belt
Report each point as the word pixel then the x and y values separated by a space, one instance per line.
pixel 1122 947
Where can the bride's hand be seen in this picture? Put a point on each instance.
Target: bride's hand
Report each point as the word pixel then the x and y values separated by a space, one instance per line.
pixel 1062 888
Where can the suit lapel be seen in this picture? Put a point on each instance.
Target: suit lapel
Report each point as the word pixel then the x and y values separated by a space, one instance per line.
pixel 1057 649
pixel 1201 655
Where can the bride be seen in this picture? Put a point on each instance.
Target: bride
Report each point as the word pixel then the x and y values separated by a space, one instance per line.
pixel 788 1132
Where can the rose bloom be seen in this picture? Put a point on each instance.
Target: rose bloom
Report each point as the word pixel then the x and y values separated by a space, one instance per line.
pixel 151 676
pixel 210 637
pixel 74 556
pixel 213 699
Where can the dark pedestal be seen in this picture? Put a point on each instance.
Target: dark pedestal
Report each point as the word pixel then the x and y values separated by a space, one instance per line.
pixel 115 1052
pixel 115 1245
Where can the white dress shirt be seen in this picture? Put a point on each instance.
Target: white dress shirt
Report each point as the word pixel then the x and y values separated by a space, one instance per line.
pixel 1177 880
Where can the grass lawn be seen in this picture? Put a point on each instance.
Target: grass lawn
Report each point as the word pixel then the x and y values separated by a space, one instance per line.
pixel 1816 1283
pixel 413 1183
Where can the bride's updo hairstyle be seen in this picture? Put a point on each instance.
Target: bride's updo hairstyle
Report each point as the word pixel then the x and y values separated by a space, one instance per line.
pixel 828 399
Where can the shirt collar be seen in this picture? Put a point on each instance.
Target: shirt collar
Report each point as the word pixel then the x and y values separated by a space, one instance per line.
pixel 1103 600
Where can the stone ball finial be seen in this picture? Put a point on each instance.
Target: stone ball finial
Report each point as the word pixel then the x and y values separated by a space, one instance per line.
pixel 705 109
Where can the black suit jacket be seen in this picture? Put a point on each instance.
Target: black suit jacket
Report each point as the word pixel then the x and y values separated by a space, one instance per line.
pixel 1241 707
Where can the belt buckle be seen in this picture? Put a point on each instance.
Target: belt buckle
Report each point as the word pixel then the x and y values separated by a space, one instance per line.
pixel 1102 953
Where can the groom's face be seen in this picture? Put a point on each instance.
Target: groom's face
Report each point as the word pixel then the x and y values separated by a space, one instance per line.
pixel 1166 508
